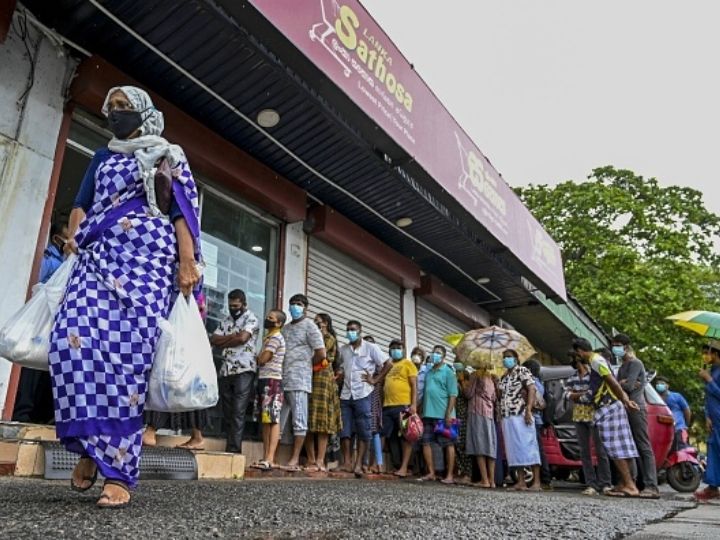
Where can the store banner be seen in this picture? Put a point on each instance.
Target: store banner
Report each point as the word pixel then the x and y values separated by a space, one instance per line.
pixel 344 41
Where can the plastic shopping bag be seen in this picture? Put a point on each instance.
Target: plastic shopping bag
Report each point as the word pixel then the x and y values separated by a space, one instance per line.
pixel 25 337
pixel 183 374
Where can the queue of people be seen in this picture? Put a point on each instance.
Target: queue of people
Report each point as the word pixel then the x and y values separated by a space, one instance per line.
pixel 138 250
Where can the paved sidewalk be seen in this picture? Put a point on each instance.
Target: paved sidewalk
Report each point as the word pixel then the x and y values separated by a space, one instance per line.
pixel 698 523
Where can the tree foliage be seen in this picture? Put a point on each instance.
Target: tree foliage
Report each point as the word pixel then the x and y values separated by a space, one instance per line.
pixel 636 252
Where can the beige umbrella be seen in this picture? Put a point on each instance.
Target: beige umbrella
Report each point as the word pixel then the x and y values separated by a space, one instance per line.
pixel 484 347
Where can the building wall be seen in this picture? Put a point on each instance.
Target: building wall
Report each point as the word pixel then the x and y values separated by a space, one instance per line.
pixel 29 127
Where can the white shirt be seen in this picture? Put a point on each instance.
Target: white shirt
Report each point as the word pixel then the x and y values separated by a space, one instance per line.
pixel 366 359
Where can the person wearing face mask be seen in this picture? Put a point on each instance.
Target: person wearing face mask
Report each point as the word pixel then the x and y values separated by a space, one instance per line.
pixel 400 394
pixel 325 324
pixel 324 405
pixel 610 402
pixel 420 359
pixel 304 352
pixel 360 360
pixel 710 376
pixel 34 401
pixel 439 399
pixel 133 258
pixel 679 407
pixel 270 397
pixel 632 378
pixel 236 337
pixel 517 399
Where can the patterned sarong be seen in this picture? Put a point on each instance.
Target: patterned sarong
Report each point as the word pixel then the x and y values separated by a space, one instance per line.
pixel 324 416
pixel 103 341
pixel 614 429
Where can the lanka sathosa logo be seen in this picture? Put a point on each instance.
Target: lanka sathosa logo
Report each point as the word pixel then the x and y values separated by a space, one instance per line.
pixel 477 182
pixel 338 34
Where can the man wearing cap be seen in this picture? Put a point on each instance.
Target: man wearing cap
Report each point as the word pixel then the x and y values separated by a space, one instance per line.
pixel 400 393
pixel 710 374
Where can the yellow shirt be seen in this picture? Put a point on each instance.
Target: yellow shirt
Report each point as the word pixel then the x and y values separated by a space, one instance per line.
pixel 397 383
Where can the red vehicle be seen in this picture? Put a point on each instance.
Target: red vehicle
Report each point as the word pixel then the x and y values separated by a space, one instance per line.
pixel 559 439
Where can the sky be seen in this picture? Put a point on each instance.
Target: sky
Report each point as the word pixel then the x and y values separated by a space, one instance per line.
pixel 551 89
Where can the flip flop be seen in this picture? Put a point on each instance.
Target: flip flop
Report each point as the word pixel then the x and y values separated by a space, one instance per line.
pixel 648 494
pixel 292 468
pixel 92 479
pixel 423 479
pixel 109 504
pixel 190 447
pixel 617 494
pixel 396 474
pixel 447 482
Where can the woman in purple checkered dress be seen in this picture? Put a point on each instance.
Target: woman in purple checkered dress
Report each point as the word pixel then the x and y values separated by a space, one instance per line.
pixel 130 255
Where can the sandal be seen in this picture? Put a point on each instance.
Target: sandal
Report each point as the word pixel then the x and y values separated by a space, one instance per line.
pixel 105 500
pixel 92 479
pixel 264 465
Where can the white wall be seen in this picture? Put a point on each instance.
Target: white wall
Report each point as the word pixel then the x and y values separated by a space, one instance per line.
pixel 409 319
pixel 295 269
pixel 29 130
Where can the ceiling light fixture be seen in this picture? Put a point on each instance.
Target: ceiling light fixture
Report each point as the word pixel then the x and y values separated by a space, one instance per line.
pixel 483 280
pixel 256 249
pixel 404 222
pixel 268 118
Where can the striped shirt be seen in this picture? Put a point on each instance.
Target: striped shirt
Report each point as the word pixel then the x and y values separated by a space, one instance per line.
pixel 274 343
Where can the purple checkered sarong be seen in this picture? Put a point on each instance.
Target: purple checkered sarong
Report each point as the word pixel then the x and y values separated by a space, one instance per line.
pixel 103 340
pixel 614 429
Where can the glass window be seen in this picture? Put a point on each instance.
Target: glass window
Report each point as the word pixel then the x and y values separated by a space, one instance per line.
pixel 240 251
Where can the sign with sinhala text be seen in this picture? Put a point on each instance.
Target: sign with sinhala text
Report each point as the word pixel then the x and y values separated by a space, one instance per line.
pixel 344 41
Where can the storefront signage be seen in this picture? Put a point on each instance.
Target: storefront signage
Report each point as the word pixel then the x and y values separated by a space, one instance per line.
pixel 343 40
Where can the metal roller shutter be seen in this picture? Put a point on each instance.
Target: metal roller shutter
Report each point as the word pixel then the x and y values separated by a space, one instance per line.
pixel 343 288
pixel 433 324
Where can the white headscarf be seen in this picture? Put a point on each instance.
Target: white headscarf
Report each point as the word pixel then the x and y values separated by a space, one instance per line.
pixel 149 147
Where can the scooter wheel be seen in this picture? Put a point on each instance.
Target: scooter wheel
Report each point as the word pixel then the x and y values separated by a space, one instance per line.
pixel 684 477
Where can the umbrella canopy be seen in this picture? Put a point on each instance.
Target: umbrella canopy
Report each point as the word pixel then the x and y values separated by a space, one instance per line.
pixel 705 323
pixel 484 347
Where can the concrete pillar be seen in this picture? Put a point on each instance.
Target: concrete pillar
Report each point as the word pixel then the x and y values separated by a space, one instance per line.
pixel 409 319
pixel 30 118
pixel 294 271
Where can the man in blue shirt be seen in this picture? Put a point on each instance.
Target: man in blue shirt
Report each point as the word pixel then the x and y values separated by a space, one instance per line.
pixel 679 407
pixel 438 404
pixel 710 375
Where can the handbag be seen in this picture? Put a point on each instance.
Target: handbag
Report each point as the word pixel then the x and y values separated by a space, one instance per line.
pixel 451 431
pixel 25 337
pixel 163 186
pixel 183 376
pixel 411 426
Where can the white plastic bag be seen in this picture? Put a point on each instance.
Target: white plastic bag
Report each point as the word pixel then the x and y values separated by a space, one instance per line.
pixel 183 374
pixel 25 337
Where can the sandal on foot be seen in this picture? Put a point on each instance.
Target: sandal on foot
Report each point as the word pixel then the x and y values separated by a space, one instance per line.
pixel 106 502
pixel 92 479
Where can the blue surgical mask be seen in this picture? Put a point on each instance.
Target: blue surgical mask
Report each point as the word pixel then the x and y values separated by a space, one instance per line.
pixel 396 354
pixel 661 387
pixel 618 350
pixel 509 362
pixel 435 358
pixel 296 311
pixel 352 336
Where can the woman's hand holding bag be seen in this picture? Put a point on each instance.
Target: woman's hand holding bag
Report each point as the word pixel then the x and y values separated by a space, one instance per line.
pixel 25 337
pixel 183 376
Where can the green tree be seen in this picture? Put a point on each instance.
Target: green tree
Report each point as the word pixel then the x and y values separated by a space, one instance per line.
pixel 634 253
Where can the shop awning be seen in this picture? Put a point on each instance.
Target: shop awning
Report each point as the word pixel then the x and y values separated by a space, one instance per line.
pixel 224 61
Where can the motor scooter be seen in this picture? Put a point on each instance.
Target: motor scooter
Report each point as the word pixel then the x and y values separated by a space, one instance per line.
pixel 683 467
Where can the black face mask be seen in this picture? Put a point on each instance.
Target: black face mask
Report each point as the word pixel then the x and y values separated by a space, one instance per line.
pixel 124 123
pixel 235 313
pixel 269 324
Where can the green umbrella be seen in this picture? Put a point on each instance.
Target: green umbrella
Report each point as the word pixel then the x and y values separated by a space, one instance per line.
pixel 705 323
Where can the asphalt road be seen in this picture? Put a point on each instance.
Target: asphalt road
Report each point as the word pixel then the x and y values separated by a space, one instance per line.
pixel 281 508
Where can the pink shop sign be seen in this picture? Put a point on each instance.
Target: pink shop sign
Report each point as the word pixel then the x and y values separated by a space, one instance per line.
pixel 345 42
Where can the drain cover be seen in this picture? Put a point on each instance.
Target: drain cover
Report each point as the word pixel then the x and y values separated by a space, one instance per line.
pixel 157 463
